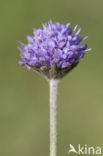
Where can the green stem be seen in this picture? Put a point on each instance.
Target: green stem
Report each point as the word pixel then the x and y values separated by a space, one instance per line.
pixel 53 116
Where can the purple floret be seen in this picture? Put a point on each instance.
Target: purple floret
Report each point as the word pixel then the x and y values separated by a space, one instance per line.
pixel 53 50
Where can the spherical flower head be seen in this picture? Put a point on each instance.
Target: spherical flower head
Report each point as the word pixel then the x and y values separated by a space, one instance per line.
pixel 53 50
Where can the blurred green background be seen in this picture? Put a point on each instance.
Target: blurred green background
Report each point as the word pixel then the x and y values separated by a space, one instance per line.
pixel 24 103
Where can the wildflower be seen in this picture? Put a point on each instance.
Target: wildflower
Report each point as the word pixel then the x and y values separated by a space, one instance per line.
pixel 53 50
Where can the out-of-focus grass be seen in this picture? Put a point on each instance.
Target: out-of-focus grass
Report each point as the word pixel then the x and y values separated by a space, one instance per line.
pixel 24 104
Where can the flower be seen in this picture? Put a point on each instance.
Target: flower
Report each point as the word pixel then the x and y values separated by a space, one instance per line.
pixel 53 50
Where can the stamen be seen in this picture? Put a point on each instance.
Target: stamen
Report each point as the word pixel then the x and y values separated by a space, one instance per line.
pixel 22 44
pixel 79 30
pixel 75 27
pixel 85 38
pixel 68 24
pixel 88 49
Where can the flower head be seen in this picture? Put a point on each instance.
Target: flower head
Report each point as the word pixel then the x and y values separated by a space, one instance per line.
pixel 53 50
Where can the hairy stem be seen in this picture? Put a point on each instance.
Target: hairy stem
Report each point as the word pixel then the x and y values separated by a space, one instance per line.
pixel 53 116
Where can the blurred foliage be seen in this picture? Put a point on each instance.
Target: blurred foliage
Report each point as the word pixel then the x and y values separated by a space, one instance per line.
pixel 24 103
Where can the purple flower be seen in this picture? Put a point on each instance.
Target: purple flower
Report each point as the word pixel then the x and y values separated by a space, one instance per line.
pixel 53 50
